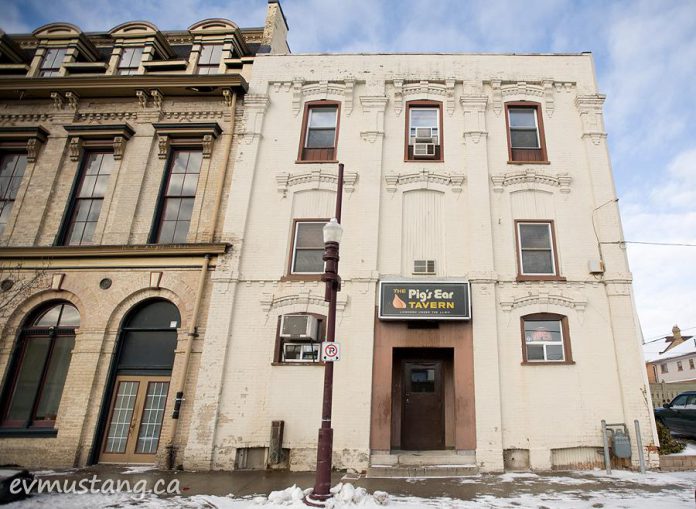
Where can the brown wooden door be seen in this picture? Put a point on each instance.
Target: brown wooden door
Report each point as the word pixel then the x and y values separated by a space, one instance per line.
pixel 135 419
pixel 423 422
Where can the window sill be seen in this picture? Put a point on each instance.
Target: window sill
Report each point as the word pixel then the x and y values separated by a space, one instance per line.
pixel 300 161
pixel 424 160
pixel 301 277
pixel 28 433
pixel 547 363
pixel 298 363
pixel 522 278
pixel 529 162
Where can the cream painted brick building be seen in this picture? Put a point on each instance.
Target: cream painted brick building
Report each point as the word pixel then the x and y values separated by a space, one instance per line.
pixel 518 163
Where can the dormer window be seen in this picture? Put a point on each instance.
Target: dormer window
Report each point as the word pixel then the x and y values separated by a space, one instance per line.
pixel 209 60
pixel 52 62
pixel 129 62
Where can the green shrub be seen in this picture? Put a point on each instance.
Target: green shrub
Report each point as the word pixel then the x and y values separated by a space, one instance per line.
pixel 668 445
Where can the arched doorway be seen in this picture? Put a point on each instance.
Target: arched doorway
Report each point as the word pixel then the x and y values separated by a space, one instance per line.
pixel 145 357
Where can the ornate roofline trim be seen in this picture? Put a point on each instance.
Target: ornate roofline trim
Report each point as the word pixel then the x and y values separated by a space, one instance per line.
pixel 531 179
pixel 425 179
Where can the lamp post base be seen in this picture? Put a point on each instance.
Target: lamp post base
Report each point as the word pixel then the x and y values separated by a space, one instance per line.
pixel 319 501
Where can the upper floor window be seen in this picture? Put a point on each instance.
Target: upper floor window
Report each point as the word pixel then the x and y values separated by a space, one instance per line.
pixel 525 132
pixel 40 366
pixel 299 337
pixel 52 62
pixel 545 338
pixel 308 247
pixel 424 131
pixel 319 132
pixel 679 366
pixel 209 59
pixel 536 249
pixel 12 166
pixel 691 364
pixel 663 368
pixel 129 62
pixel 86 203
pixel 178 197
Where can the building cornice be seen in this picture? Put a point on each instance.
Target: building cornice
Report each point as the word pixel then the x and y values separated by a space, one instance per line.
pixel 126 251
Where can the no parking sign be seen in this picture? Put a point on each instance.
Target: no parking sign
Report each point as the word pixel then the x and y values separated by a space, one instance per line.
pixel 330 351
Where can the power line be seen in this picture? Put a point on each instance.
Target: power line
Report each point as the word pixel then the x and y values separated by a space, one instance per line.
pixel 650 243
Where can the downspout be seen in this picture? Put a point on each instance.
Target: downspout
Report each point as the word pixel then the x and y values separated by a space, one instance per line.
pixel 192 333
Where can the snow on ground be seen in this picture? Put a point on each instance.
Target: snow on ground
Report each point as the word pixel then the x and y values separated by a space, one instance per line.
pixel 621 490
pixel 689 450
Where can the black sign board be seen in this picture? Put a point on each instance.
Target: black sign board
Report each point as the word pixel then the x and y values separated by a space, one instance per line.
pixel 432 300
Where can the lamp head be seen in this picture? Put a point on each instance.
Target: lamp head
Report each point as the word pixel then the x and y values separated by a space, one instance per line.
pixel 333 231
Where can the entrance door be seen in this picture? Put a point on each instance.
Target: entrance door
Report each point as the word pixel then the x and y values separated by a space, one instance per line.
pixel 135 419
pixel 423 422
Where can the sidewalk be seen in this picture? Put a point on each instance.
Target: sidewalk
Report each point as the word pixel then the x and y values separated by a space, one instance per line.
pixel 241 490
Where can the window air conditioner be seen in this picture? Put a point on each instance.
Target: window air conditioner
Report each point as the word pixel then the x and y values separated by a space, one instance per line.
pixel 424 266
pixel 299 327
pixel 424 150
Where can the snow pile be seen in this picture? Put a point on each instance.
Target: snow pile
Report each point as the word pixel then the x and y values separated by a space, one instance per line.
pixel 344 496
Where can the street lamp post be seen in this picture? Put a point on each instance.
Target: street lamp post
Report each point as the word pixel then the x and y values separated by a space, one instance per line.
pixel 332 238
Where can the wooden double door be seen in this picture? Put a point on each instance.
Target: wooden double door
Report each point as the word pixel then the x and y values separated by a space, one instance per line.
pixel 422 404
pixel 135 419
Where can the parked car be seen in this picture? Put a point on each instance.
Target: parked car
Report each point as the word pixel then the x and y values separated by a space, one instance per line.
pixel 679 415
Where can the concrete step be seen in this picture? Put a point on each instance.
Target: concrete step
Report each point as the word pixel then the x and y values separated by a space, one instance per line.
pixel 423 471
pixel 423 464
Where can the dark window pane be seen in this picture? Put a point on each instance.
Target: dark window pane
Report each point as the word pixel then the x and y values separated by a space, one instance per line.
pixel 88 233
pixel 100 186
pixel 166 232
pixel 190 184
pixel 180 232
pixel 55 379
pixel 321 138
pixel 159 314
pixel 535 236
pixel 5 186
pixel 537 262
pixel 554 352
pixel 542 330
pixel 94 210
pixel 176 182
pixel 535 352
pixel 50 317
pixel 194 162
pixel 87 186
pixel 309 260
pixel 70 316
pixel 93 163
pixel 148 350
pixel 186 209
pixel 310 235
pixel 423 380
pixel 292 352
pixel 180 162
pixel 14 187
pixel 28 379
pixel 76 234
pixel 522 117
pixel 171 209
pixel 210 54
pixel 524 138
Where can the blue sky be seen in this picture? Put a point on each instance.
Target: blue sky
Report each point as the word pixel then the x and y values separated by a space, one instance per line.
pixel 645 54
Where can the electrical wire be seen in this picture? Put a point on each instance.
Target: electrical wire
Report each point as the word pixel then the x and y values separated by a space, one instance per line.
pixel 677 244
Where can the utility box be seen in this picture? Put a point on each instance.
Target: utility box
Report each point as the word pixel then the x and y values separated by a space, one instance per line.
pixel 621 444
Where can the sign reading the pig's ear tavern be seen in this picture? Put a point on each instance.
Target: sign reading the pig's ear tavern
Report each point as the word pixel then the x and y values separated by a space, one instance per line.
pixel 436 300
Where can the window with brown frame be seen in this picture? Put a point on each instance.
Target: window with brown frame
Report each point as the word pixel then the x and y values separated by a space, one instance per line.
pixel 129 62
pixel 306 255
pixel 525 132
pixel 319 137
pixel 88 196
pixel 424 137
pixel 536 250
pixel 52 62
pixel 545 339
pixel 39 368
pixel 178 196
pixel 12 166
pixel 209 59
pixel 299 337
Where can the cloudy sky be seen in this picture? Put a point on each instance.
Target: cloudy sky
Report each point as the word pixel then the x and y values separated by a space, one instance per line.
pixel 645 54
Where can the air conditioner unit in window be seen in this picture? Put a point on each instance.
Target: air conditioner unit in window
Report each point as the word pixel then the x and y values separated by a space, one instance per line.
pixel 301 352
pixel 424 149
pixel 424 135
pixel 299 327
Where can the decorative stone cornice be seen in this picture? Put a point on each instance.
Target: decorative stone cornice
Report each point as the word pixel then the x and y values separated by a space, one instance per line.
pixel 270 302
pixel 316 178
pixel 474 109
pixel 532 179
pixel 425 179
pixel 343 90
pixel 203 134
pixel 115 134
pixel 544 89
pixel 423 89
pixel 255 106
pixel 192 116
pixel 29 138
pixel 591 116
pixel 98 116
pixel 121 251
pixel 373 106
pixel 539 299
pixel 33 118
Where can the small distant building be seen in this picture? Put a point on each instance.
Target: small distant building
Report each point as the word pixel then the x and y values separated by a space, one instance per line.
pixel 674 361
